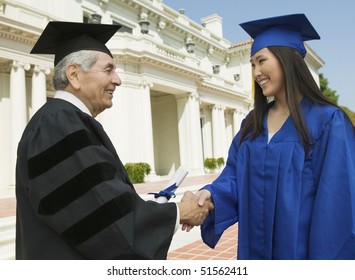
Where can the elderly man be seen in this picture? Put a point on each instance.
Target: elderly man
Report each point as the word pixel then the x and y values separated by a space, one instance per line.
pixel 74 198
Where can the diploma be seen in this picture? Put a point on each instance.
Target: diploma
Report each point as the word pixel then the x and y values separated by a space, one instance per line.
pixel 175 181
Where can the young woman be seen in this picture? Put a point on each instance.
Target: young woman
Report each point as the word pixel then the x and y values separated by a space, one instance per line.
pixel 289 180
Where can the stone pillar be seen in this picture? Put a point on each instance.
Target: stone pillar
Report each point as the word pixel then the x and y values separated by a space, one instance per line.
pixel 190 139
pixel 237 120
pixel 147 127
pixel 216 140
pixel 219 132
pixel 183 127
pixel 195 133
pixel 18 109
pixel 229 128
pixel 190 142
pixel 207 134
pixel 39 91
pixel 222 133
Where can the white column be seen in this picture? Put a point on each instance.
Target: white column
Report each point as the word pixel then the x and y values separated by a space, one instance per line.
pixel 229 128
pixel 18 109
pixel 183 127
pixel 222 133
pixel 237 120
pixel 207 134
pixel 216 139
pixel 190 142
pixel 195 133
pixel 219 134
pixel 39 91
pixel 147 127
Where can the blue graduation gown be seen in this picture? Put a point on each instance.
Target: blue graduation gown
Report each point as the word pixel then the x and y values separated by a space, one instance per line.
pixel 286 206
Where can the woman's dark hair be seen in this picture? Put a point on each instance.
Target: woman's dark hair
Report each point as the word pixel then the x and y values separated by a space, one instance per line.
pixel 298 80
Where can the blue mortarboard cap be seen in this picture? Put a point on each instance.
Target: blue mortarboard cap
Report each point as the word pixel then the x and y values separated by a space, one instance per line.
pixel 62 38
pixel 288 31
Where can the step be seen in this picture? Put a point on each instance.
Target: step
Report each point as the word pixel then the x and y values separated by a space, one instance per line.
pixel 7 238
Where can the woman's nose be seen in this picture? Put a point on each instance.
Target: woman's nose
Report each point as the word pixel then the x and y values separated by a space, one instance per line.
pixel 256 71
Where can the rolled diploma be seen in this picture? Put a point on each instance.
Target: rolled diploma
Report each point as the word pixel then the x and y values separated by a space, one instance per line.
pixel 177 178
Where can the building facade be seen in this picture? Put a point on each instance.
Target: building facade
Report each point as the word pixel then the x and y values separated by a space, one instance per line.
pixel 185 89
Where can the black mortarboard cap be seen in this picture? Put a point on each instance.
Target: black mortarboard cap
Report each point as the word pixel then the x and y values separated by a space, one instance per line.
pixel 288 31
pixel 62 38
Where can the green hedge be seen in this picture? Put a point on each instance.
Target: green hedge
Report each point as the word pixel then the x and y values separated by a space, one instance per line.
pixel 137 171
pixel 210 163
pixel 213 163
pixel 220 161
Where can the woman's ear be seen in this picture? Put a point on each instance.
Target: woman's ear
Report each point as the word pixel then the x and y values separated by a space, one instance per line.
pixel 73 72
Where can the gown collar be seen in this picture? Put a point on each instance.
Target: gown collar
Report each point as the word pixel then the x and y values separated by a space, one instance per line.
pixel 286 133
pixel 71 98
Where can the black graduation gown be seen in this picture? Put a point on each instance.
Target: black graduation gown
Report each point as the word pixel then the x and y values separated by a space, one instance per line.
pixel 74 198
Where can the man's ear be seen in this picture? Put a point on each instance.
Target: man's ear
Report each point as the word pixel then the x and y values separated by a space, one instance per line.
pixel 73 73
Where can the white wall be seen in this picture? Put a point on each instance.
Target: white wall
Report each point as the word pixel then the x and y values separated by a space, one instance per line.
pixel 5 141
pixel 166 138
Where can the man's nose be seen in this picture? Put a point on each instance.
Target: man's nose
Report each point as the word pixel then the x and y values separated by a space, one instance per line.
pixel 116 79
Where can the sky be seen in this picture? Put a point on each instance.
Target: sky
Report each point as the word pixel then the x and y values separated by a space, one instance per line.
pixel 333 20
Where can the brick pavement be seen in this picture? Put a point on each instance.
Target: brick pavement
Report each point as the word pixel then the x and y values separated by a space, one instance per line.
pixel 226 248
pixel 7 207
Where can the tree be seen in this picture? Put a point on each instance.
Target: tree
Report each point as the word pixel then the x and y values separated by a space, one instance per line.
pixel 328 92
pixel 350 114
pixel 332 96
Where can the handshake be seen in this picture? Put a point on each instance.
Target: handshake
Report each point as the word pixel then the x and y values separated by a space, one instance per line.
pixel 194 208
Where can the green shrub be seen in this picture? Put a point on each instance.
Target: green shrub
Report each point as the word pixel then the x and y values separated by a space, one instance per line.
pixel 137 171
pixel 210 163
pixel 220 161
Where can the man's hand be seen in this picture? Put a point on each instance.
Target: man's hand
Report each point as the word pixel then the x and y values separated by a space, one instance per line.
pixel 194 208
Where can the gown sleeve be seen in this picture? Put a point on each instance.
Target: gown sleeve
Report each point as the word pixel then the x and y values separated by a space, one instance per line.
pixel 78 188
pixel 332 233
pixel 224 196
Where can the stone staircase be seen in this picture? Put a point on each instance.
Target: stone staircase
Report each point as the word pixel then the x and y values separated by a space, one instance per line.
pixel 7 238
